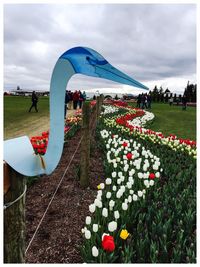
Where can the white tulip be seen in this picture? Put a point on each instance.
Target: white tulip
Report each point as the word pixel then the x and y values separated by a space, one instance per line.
pixel 135 197
pixel 129 199
pixel 112 226
pixel 88 220
pixel 98 203
pixel 108 181
pixel 105 212
pixel 92 208
pixel 95 227
pixel 114 174
pixel 95 251
pixel 87 234
pixel 140 175
pixel 111 203
pixel 114 188
pixel 131 192
pixel 157 174
pixel 146 183
pixel 122 178
pixel 119 194
pixel 151 182
pixel 116 214
pixel 140 193
pixel 119 181
pixel 124 206
pixel 108 195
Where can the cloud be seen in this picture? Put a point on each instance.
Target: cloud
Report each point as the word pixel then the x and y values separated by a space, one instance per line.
pixel 153 43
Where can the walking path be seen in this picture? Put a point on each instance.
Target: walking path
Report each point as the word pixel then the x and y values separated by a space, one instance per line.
pixel 32 128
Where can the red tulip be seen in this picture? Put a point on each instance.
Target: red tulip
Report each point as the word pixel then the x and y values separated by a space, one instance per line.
pixel 108 243
pixel 152 176
pixel 129 156
pixel 124 144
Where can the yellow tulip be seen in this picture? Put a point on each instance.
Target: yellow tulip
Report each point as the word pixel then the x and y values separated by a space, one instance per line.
pixel 124 234
pixel 98 187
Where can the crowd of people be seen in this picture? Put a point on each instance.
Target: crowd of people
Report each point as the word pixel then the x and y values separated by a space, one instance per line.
pixel 144 101
pixel 74 100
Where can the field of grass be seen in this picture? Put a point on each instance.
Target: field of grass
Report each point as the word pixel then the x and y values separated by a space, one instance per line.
pixel 174 120
pixel 17 119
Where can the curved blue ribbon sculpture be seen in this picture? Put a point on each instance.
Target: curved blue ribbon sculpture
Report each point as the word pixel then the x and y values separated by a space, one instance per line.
pixel 18 152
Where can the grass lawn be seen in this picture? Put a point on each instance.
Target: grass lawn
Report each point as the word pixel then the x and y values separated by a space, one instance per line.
pixel 174 120
pixel 17 118
pixel 18 121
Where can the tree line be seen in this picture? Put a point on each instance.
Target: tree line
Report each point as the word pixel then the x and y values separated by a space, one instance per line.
pixel 159 95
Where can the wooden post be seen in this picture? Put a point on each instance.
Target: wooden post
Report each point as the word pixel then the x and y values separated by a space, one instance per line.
pixel 14 217
pixel 85 145
pixel 97 109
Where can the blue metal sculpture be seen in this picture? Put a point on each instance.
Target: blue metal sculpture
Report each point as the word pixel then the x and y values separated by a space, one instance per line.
pixel 18 152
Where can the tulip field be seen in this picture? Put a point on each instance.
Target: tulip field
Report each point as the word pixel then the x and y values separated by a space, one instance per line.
pixel 141 210
pixel 145 207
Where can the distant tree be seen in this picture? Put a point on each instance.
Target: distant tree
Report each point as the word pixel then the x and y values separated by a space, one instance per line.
pixel 190 92
pixel 116 97
pixel 154 93
pixel 18 88
pixel 94 97
pixel 175 98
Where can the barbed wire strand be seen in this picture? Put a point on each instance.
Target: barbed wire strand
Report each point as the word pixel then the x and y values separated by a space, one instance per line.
pixel 41 220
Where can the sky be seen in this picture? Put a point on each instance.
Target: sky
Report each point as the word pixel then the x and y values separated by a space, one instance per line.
pixel 152 43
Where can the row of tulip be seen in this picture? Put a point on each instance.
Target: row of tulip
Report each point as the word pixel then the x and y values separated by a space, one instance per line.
pixel 131 124
pixel 135 171
pixel 40 142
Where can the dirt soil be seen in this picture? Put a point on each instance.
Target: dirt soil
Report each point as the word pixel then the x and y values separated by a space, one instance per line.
pixel 59 237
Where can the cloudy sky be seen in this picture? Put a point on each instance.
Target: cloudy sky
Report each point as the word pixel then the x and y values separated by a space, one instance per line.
pixel 153 43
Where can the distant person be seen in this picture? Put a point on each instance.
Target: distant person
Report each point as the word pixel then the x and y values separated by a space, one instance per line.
pixel 184 102
pixel 139 101
pixel 34 99
pixel 84 96
pixel 144 101
pixel 75 99
pixel 81 99
pixel 149 101
pixel 66 102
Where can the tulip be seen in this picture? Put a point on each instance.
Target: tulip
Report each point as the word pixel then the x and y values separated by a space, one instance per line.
pixel 108 243
pixel 135 197
pixel 140 193
pixel 108 195
pixel 112 226
pixel 92 208
pixel 124 234
pixel 105 212
pixel 95 228
pixel 151 176
pixel 108 181
pixel 151 182
pixel 88 220
pixel 124 206
pixel 95 251
pixel 87 234
pixel 116 214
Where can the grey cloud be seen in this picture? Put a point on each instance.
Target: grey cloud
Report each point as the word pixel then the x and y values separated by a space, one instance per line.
pixel 147 41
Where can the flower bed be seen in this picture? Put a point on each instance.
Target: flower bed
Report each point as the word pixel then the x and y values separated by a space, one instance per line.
pixel 142 213
pixel 124 123
pixel 40 143
pixel 134 171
